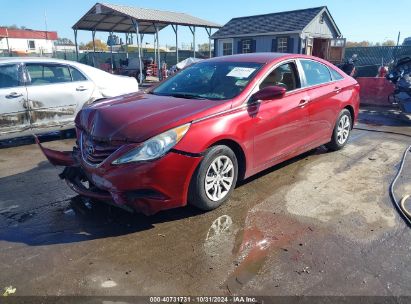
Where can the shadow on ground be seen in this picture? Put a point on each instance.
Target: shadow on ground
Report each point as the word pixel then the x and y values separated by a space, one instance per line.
pixel 29 140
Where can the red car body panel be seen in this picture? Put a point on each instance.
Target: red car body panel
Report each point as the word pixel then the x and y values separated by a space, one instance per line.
pixel 265 133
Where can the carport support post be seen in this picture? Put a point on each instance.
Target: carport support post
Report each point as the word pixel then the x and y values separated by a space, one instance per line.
pixel 175 29
pixel 154 48
pixel 93 35
pixel 75 42
pixel 160 76
pixel 135 24
pixel 126 47
pixel 208 30
pixel 193 31
pixel 111 53
pixel 142 45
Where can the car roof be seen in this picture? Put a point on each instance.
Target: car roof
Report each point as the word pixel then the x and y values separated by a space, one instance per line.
pixel 35 59
pixel 261 57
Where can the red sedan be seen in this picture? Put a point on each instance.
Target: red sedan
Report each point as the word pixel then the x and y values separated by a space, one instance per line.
pixel 193 136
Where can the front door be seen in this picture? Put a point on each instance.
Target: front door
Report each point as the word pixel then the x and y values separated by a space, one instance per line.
pixel 280 124
pixel 55 95
pixel 14 117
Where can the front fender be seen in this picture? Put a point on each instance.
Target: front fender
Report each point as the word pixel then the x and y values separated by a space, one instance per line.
pixel 236 126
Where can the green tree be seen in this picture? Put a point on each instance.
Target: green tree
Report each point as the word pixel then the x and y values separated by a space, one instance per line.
pixel 11 27
pixel 100 45
pixel 356 44
pixel 203 47
pixel 389 43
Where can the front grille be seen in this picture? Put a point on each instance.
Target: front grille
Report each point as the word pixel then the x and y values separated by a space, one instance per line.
pixel 93 151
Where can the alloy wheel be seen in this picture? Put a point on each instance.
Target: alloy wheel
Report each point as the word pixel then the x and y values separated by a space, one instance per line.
pixel 219 178
pixel 343 129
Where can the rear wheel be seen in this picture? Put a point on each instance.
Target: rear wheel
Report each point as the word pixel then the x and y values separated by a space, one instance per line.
pixel 214 179
pixel 342 131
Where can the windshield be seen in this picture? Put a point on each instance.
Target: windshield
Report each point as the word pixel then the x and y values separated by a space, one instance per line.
pixel 209 80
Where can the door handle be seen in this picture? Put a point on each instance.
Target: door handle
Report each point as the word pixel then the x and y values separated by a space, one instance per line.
pixel 81 89
pixel 303 102
pixel 337 90
pixel 14 95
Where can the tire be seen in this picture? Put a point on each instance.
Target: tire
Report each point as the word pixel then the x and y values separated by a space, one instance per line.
pixel 138 77
pixel 218 157
pixel 342 131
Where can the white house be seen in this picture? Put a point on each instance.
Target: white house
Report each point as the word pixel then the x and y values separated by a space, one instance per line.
pixel 26 41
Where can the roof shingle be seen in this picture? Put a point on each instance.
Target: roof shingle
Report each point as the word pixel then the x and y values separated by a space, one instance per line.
pixel 269 23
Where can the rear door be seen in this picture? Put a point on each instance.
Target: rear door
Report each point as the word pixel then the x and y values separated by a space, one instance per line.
pixel 280 124
pixel 55 93
pixel 14 117
pixel 326 94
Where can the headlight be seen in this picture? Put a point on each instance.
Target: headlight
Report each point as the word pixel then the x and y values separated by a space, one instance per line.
pixel 154 147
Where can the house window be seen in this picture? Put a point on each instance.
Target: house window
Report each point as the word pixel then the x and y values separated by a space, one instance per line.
pixel 32 44
pixel 282 45
pixel 246 46
pixel 322 18
pixel 227 48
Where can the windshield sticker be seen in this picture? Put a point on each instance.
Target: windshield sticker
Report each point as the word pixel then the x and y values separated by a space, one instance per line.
pixel 241 82
pixel 239 72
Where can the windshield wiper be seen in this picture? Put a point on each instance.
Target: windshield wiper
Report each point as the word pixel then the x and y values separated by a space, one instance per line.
pixel 186 96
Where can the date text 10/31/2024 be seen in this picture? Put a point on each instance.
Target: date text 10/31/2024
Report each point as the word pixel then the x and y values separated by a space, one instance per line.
pixel 203 299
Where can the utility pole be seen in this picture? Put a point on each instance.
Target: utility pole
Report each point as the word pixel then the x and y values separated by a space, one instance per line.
pixel 45 23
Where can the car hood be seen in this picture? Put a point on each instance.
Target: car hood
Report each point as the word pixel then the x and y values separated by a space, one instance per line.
pixel 137 117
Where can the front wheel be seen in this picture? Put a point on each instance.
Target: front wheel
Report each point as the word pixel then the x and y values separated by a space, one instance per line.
pixel 214 179
pixel 342 131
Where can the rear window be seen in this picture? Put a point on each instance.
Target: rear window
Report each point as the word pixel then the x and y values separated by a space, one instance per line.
pixel 48 74
pixel 335 74
pixel 76 75
pixel 315 72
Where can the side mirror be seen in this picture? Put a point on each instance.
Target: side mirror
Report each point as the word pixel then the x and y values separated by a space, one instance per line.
pixel 268 93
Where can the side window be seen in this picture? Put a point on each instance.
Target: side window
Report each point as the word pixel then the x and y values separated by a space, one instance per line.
pixel 315 72
pixel 227 48
pixel 9 76
pixel 31 44
pixel 335 74
pixel 76 75
pixel 48 74
pixel 282 45
pixel 284 76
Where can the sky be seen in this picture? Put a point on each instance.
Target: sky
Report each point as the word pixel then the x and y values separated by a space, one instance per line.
pixel 358 20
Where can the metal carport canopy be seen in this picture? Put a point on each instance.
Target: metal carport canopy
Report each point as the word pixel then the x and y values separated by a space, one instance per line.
pixel 117 18
pixel 112 18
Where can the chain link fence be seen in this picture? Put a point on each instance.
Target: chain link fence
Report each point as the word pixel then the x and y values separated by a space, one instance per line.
pixel 100 58
pixel 370 58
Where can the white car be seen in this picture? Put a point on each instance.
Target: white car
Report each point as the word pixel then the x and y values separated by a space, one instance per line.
pixel 39 95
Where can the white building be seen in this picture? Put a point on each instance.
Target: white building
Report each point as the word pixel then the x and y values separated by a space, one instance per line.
pixel 64 45
pixel 22 42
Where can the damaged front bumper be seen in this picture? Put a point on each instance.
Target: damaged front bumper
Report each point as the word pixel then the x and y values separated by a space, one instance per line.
pixel 146 187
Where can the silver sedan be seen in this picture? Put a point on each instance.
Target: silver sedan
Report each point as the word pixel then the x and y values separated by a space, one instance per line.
pixel 39 95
